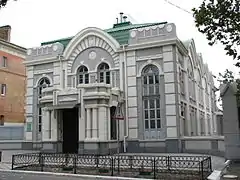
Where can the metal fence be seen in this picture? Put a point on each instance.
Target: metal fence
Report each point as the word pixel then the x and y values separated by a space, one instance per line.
pixel 142 166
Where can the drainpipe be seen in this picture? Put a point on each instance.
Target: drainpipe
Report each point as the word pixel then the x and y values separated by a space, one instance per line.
pixel 61 70
pixel 126 97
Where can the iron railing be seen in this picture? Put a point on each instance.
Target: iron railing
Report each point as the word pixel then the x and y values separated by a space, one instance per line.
pixel 156 167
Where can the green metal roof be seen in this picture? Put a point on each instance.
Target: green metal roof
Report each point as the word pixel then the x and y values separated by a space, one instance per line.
pixel 120 32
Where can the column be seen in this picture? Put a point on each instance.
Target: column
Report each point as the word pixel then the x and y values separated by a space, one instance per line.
pixel 81 123
pixel 94 123
pixel 45 124
pixel 54 125
pixel 89 128
pixel 103 128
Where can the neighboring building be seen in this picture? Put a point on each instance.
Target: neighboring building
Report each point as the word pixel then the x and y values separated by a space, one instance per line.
pixel 219 119
pixel 231 121
pixel 158 84
pixel 12 87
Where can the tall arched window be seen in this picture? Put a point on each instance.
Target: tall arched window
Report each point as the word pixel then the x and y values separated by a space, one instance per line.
pixel 104 73
pixel 151 102
pixel 82 75
pixel 191 83
pixel 43 83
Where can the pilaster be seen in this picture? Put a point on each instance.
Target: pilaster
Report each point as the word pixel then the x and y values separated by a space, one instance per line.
pixel 54 125
pixel 45 124
pixel 170 92
pixel 94 123
pixel 103 123
pixel 89 123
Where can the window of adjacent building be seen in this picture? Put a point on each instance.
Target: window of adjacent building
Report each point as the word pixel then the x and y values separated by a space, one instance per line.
pixel 43 83
pixel 4 61
pixel 151 102
pixel 82 75
pixel 104 73
pixel 29 127
pixel 1 120
pixel 3 89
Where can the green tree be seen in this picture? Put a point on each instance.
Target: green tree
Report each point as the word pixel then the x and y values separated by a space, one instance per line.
pixel 3 3
pixel 219 20
pixel 226 77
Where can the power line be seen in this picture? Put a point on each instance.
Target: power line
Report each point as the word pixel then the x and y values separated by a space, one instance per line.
pixel 178 7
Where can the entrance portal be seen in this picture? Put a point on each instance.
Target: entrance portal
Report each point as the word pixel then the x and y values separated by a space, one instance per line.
pixel 70 130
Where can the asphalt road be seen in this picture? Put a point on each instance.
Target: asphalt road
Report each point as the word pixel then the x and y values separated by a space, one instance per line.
pixel 26 176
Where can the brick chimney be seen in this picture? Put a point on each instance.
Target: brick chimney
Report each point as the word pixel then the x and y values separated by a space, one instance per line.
pixel 5 33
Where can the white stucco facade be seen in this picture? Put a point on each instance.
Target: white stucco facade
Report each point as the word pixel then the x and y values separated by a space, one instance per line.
pixel 160 86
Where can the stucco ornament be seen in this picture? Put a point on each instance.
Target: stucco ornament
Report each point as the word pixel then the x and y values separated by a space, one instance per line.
pixel 91 41
pixel 92 55
pixel 55 47
pixel 29 52
pixel 169 28
pixel 133 34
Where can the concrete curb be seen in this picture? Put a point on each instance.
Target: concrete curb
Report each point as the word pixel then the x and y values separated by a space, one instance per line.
pixel 70 175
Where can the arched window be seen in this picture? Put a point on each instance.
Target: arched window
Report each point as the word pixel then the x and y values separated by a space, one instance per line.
pixel 43 83
pixel 151 102
pixel 104 73
pixel 82 75
pixel 150 76
pixel 191 83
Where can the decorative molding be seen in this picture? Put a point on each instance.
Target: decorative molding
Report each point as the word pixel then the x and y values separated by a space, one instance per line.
pixel 46 71
pixel 41 61
pixel 139 73
pixel 152 57
pixel 82 39
pixel 12 51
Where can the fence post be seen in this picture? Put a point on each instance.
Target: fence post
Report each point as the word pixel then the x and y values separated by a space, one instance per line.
pixel 210 163
pixel 130 161
pixel 112 168
pixel 118 164
pixel 97 160
pixel 202 170
pixel 75 164
pixel 13 160
pixel 168 163
pixel 41 161
pixel 154 168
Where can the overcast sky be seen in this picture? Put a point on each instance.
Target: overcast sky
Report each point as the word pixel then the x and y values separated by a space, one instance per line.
pixel 35 21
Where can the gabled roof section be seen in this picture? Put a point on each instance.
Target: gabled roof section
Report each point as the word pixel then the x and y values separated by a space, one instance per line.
pixel 119 31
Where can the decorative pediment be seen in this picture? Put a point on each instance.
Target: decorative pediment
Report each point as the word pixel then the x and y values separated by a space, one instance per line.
pixel 90 37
